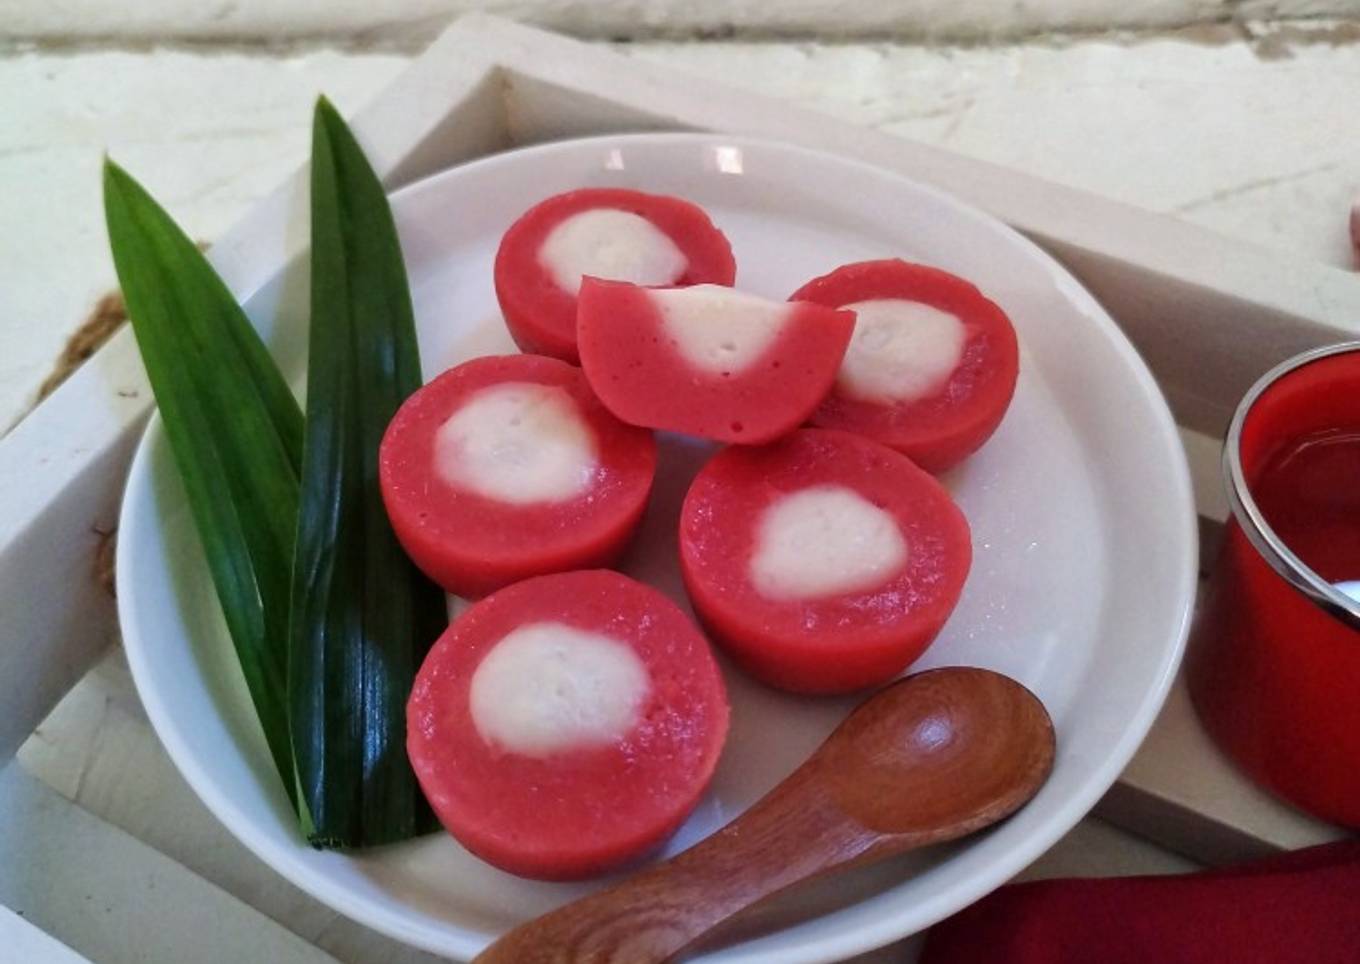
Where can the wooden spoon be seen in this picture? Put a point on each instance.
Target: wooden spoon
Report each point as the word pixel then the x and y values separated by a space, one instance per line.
pixel 930 758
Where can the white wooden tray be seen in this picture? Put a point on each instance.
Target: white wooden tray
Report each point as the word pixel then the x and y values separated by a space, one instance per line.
pixel 1208 314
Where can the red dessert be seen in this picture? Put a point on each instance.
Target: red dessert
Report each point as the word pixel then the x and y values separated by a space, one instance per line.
pixel 932 367
pixel 708 361
pixel 566 724
pixel 825 562
pixel 508 467
pixel 608 233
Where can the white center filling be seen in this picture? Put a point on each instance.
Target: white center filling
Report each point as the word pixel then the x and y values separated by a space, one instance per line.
pixel 717 329
pixel 824 541
pixel 901 350
pixel 548 687
pixel 613 245
pixel 517 442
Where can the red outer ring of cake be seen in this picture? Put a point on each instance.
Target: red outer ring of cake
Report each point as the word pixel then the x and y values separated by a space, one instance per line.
pixel 644 380
pixel 842 642
pixel 471 544
pixel 945 427
pixel 541 316
pixel 586 810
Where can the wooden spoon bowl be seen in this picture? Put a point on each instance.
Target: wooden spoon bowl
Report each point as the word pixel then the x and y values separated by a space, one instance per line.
pixel 939 754
pixel 929 758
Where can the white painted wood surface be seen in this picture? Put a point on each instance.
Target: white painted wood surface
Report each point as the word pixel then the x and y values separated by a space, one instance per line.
pixel 61 482
pixel 117 900
pixel 59 113
pixel 406 20
pixel 98 751
pixel 23 942
pixel 1181 791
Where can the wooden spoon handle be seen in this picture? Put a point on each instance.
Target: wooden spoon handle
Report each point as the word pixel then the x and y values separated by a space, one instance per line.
pixel 794 833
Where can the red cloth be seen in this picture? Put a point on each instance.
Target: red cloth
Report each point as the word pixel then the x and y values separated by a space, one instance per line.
pixel 1295 908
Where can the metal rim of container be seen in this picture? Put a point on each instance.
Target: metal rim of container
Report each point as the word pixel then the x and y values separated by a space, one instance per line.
pixel 1271 547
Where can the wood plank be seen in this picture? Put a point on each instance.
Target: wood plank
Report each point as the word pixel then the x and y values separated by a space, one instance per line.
pixel 98 750
pixel 116 900
pixel 1182 792
pixel 62 476
pixel 26 943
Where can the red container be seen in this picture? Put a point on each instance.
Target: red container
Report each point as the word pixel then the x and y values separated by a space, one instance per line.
pixel 1274 661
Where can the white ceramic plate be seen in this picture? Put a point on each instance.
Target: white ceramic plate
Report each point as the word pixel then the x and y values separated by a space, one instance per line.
pixel 1080 505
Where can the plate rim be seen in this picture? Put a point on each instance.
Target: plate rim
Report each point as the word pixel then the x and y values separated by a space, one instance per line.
pixel 818 948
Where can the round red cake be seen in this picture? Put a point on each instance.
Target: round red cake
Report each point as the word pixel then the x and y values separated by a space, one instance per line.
pixel 507 467
pixel 706 360
pixel 932 365
pixel 566 724
pixel 611 233
pixel 825 562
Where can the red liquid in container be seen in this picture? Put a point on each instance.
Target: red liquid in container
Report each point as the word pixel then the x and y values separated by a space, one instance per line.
pixel 1274 669
pixel 1310 494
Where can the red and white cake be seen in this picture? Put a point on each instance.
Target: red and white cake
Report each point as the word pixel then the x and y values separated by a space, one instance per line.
pixel 621 235
pixel 566 724
pixel 507 467
pixel 824 562
pixel 706 360
pixel 932 365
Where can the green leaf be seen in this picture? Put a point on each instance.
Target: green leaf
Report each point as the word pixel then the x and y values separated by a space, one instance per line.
pixel 235 432
pixel 363 615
